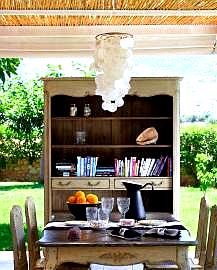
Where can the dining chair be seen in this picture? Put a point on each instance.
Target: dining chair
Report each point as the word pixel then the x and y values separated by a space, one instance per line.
pixel 36 261
pixel 17 230
pixel 202 231
pixel 200 250
pixel 210 261
pixel 211 252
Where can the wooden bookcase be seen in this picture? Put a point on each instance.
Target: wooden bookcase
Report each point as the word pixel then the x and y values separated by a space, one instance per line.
pixel 152 102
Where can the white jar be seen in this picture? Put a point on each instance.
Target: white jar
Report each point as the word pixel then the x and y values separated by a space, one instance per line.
pixel 87 110
pixel 73 110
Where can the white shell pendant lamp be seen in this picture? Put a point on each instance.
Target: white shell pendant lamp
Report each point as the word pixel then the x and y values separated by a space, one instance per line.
pixel 113 61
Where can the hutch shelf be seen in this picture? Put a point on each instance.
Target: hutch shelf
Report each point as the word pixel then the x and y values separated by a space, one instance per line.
pixel 109 153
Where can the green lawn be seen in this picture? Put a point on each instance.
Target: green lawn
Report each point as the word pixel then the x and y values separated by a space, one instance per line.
pixel 189 206
pixel 11 194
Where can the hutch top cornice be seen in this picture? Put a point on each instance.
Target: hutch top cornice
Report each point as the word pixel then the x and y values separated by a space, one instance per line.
pixel 83 86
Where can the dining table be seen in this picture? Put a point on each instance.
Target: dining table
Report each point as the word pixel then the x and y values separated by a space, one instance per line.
pixel 100 246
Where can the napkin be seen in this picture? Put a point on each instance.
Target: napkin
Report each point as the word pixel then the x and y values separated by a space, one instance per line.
pixel 163 233
pixel 126 233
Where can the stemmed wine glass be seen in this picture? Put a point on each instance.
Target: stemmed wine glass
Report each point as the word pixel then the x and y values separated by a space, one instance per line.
pixel 123 205
pixel 107 204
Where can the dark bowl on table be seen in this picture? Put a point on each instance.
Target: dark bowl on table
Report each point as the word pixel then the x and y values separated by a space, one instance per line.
pixel 78 210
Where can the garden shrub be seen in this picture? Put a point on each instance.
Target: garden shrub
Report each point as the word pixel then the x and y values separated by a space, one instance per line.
pixel 206 176
pixel 198 149
pixel 21 120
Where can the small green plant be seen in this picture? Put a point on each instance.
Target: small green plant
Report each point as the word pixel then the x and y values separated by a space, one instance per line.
pixel 207 176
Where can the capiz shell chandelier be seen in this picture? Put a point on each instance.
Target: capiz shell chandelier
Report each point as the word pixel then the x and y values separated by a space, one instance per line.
pixel 113 61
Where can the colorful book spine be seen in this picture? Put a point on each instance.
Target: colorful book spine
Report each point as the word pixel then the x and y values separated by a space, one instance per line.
pixel 133 164
pixel 88 165
pixel 158 164
pixel 78 165
pixel 161 168
pixel 150 166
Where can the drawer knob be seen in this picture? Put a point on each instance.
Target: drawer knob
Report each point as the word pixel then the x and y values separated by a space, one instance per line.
pixel 93 184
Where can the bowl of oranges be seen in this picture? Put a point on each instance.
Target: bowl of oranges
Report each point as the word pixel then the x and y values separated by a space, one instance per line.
pixel 78 202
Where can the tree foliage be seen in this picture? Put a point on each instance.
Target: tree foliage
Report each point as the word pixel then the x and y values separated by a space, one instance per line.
pixel 21 119
pixel 8 66
pixel 199 153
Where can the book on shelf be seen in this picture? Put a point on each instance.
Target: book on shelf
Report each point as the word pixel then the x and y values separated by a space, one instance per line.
pixel 152 161
pixel 162 165
pixel 169 167
pixel 146 165
pixel 133 166
pixel 88 161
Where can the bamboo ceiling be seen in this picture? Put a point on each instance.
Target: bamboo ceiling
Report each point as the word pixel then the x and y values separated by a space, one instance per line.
pixel 92 20
pixel 109 4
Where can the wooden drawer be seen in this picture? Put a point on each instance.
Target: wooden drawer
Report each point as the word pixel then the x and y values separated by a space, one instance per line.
pixel 80 183
pixel 158 182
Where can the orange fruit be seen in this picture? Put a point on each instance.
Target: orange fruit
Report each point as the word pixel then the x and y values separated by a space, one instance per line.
pixel 92 198
pixel 80 199
pixel 79 193
pixel 71 199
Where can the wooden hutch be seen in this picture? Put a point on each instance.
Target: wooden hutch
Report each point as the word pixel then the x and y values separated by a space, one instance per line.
pixel 152 102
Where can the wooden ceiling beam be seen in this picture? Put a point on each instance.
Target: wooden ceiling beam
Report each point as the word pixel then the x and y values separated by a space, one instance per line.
pixel 92 31
pixel 21 41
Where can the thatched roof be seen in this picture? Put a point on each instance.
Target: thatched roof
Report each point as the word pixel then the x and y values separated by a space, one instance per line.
pixel 167 23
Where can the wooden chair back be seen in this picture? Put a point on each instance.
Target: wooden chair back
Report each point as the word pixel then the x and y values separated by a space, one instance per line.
pixel 211 254
pixel 17 229
pixel 31 222
pixel 200 251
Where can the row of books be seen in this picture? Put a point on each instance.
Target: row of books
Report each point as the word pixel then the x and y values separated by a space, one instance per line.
pixel 87 166
pixel 133 166
pixel 143 167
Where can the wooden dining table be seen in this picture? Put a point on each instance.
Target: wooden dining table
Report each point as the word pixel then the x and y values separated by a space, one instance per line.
pixel 100 247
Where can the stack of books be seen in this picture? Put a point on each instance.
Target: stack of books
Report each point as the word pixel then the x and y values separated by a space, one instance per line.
pixel 65 169
pixel 105 171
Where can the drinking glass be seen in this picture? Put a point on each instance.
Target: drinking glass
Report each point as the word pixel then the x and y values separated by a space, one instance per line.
pixel 123 205
pixel 107 204
pixel 103 219
pixel 91 215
